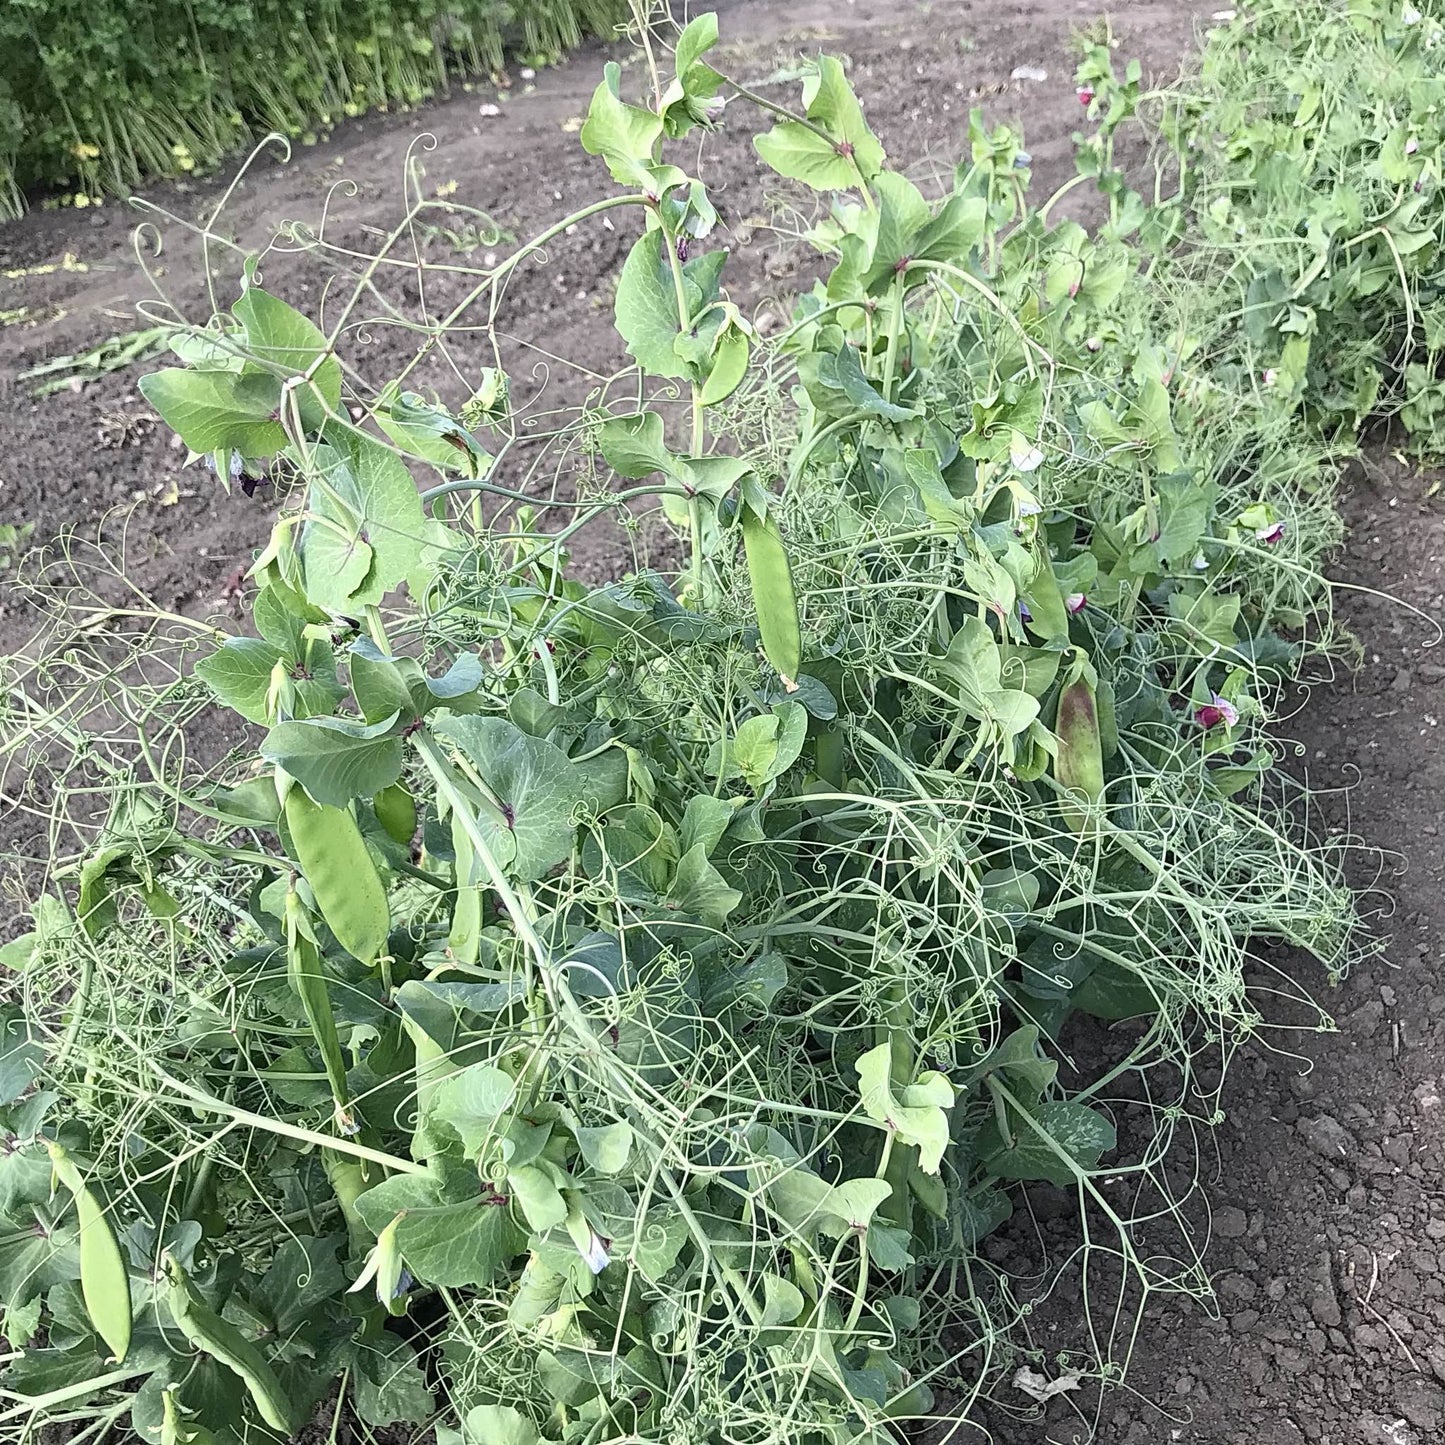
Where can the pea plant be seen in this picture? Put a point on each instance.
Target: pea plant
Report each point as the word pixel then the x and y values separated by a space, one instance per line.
pixel 601 1012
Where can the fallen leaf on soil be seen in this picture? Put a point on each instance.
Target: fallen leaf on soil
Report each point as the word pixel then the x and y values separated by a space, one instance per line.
pixel 1041 1388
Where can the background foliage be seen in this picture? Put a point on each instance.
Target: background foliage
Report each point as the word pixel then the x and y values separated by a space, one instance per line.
pixel 104 96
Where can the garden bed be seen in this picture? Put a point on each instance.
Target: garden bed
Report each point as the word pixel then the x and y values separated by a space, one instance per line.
pixel 1341 1248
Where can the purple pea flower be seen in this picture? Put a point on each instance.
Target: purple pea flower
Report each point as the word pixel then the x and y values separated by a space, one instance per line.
pixel 1075 602
pixel 1271 534
pixel 1217 710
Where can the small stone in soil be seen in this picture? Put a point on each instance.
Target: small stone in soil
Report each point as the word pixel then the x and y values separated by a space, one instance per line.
pixel 1327 1137
pixel 1230 1223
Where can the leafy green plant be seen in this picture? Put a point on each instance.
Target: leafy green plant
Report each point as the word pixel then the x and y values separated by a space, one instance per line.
pixel 103 97
pixel 612 1012
pixel 1307 148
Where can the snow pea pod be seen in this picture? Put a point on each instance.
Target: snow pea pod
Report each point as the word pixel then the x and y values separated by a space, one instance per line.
pixel 344 881
pixel 104 1279
pixel 307 977
pixel 774 600
pixel 348 1182
pixel 1079 767
pixel 220 1339
pixel 396 812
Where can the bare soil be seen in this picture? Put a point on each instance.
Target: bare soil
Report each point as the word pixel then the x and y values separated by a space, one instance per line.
pixel 1327 1249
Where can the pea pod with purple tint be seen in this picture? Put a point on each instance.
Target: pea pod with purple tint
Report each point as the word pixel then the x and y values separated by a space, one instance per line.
pixel 1079 766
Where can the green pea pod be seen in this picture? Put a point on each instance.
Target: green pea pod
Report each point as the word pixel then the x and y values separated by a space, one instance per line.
pixel 344 881
pixel 104 1279
pixel 348 1182
pixel 307 976
pixel 774 600
pixel 223 1342
pixel 1079 767
pixel 396 812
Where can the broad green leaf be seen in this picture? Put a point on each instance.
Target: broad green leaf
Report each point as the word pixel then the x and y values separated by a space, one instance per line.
pixel 850 1206
pixel 372 512
pixel 215 411
pixel 21 1057
pixel 456 1231
pixel 537 786
pixel 695 83
pixel 700 890
pixel 537 1196
pixel 471 1103
pixel 1081 1136
pixel 303 1276
pixel 974 666
pixel 429 431
pixel 831 103
pixel 388 1383
pixel 377 683
pixel 646 308
pixel 758 981
pixel 704 821
pixel 782 1301
pixel 623 135
pixel 633 446
pixel 834 160
pixel 917 1113
pixel 281 336
pixel 240 674
pixel 336 760
pixel 801 154
pixel 499 1425
pixel 607 1147
pixel 955 229
pixel 847 391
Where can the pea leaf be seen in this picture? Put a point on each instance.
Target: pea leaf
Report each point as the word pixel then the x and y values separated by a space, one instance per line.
pixel 634 447
pixel 834 160
pixel 497 1425
pixel 388 1383
pixel 700 890
pixel 1080 1132
pixel 334 759
pixel 215 411
pixel 538 787
pixel 623 135
pixel 974 665
pixel 239 672
pixel 846 390
pixel 456 1231
pixel 471 1102
pixel 430 432
pixel 917 1113
pixel 646 308
pixel 367 531
pixel 281 335
pixel 21 1058
pixel 607 1147
pixel 684 102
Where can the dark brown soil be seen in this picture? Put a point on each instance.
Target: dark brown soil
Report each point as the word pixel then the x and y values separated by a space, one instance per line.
pixel 1325 1177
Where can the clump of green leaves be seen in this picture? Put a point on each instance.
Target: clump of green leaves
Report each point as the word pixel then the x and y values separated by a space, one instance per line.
pixel 641 998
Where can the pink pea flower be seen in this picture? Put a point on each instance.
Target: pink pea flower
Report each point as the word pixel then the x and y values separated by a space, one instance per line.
pixel 1085 94
pixel 1271 534
pixel 1218 710
pixel 1075 602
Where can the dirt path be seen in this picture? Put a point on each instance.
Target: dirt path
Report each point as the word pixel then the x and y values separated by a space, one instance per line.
pixel 1328 1244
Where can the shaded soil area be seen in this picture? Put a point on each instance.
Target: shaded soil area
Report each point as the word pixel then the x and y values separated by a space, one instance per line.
pixel 1327 1240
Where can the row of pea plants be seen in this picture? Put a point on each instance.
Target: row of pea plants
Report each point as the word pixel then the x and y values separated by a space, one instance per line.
pixel 619 1012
